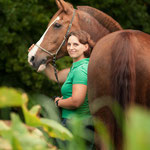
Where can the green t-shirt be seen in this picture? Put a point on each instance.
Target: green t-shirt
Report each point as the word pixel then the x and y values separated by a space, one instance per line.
pixel 77 75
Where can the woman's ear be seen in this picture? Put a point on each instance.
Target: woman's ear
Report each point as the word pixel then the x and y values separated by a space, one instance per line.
pixel 86 46
pixel 66 7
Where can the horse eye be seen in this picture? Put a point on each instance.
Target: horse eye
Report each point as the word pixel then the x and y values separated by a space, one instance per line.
pixel 57 25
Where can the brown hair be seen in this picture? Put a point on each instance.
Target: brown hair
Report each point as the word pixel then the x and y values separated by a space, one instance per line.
pixel 84 38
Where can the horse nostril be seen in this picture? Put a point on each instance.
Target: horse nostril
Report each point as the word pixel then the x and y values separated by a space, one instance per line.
pixel 32 59
pixel 43 61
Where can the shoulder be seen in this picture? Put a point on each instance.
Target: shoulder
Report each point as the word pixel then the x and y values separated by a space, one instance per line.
pixel 82 67
pixel 80 72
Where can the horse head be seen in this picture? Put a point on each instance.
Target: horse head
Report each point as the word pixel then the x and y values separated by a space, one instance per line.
pixel 53 42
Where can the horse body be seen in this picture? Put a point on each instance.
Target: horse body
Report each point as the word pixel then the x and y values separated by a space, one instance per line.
pixel 119 70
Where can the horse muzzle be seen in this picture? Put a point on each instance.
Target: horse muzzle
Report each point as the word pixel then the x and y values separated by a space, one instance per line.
pixel 39 65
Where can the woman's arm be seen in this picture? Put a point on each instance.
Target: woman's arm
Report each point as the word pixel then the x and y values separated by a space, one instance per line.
pixel 62 75
pixel 78 96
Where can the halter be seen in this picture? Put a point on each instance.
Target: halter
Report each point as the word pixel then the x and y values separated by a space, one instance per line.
pixel 55 54
pixel 62 43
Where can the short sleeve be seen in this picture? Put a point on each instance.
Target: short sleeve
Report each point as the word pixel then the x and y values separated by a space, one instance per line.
pixel 80 75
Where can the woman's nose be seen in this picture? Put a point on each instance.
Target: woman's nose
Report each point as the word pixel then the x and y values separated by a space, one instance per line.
pixel 71 46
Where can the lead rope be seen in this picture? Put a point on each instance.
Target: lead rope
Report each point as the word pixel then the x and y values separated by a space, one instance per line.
pixel 55 71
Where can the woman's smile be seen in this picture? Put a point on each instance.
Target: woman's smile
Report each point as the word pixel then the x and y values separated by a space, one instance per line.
pixel 72 51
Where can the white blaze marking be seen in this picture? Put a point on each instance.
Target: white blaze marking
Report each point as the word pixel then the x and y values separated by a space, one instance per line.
pixel 33 51
pixel 41 39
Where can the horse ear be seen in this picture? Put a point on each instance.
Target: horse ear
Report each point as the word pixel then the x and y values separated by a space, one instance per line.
pixel 67 7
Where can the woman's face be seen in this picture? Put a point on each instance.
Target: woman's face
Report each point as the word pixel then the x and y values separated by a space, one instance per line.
pixel 75 48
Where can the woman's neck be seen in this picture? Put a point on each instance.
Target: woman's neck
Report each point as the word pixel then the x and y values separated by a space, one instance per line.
pixel 77 59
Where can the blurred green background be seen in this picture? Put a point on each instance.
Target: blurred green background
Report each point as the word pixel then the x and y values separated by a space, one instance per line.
pixel 22 23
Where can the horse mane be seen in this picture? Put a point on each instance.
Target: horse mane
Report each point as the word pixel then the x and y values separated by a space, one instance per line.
pixel 107 21
pixel 123 73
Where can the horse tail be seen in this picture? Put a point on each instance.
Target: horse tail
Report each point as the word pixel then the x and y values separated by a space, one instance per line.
pixel 123 71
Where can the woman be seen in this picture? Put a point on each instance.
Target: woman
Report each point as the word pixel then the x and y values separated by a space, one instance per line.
pixel 74 100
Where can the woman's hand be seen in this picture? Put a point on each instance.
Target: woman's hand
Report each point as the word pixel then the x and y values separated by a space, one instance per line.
pixel 57 99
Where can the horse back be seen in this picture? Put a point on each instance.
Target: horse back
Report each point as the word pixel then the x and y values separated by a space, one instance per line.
pixel 119 72
pixel 118 58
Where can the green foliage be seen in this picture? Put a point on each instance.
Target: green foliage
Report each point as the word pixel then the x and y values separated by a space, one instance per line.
pixel 137 129
pixel 21 136
pixel 48 108
pixel 22 23
pixel 81 134
pixel 103 132
pixel 53 128
pixel 13 98
pixel 134 122
pixel 17 135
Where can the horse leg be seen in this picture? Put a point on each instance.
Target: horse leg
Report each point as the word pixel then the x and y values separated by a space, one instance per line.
pixel 112 139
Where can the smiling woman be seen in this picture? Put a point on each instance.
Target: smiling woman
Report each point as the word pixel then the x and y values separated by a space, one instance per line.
pixel 79 45
pixel 76 49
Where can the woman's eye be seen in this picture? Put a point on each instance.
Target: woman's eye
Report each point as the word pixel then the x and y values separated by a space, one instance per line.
pixel 57 25
pixel 75 44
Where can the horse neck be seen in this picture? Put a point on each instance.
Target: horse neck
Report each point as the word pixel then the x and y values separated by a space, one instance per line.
pixel 89 24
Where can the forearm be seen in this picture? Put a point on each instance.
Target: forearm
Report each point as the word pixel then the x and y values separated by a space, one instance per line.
pixel 49 72
pixel 62 75
pixel 68 103
pixel 76 100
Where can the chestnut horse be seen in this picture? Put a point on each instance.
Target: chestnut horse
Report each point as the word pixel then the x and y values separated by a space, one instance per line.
pixel 68 19
pixel 118 65
pixel 119 70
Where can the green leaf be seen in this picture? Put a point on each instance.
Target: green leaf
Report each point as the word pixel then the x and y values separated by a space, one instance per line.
pixel 137 129
pixel 17 125
pixel 10 97
pixel 4 144
pixel 31 119
pixel 23 139
pixel 35 110
pixel 48 108
pixel 3 126
pixel 54 129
